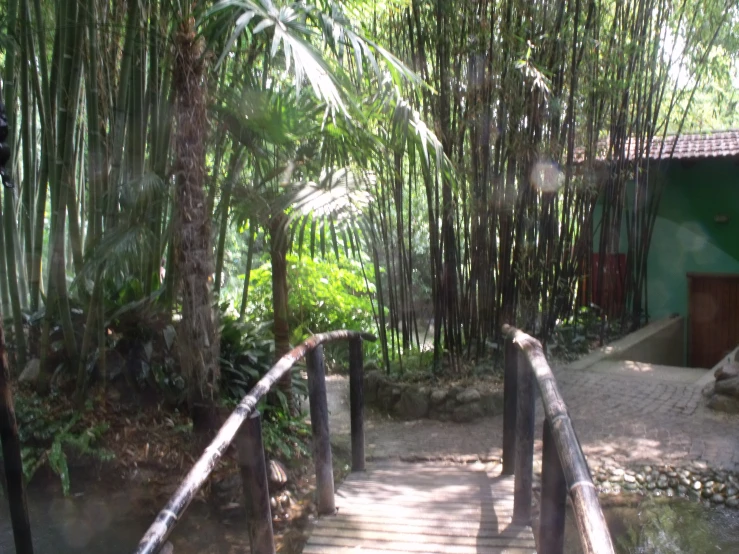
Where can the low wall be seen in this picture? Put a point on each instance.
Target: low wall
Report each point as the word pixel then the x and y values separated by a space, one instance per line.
pixel 661 342
pixel 415 401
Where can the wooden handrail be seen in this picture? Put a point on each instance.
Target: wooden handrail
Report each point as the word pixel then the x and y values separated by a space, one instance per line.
pixel 564 468
pixel 251 451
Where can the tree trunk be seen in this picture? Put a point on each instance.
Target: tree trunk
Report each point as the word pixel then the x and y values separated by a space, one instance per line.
pixel 281 329
pixel 198 336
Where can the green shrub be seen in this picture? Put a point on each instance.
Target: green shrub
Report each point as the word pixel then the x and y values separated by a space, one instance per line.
pixel 322 296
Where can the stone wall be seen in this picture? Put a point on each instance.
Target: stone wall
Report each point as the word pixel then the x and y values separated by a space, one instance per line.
pixel 414 401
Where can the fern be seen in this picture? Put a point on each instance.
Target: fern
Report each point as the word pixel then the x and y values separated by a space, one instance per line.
pixel 49 435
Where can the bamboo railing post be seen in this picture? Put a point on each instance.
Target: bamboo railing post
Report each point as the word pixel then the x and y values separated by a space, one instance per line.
pixel 319 425
pixel 509 406
pixel 553 497
pixel 356 401
pixel 524 472
pixel 13 465
pixel 256 489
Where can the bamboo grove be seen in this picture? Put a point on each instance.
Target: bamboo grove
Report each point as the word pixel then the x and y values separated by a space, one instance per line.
pixel 457 149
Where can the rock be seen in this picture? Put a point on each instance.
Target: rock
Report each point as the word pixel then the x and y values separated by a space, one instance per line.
pixel 629 478
pixel 372 382
pixel 717 499
pixel 277 475
pixel 438 397
pixel 727 371
pixel 673 482
pixel 388 395
pixel 31 372
pixel 670 492
pixel 697 485
pixel 708 390
pixel 467 412
pixel 732 491
pixel 468 396
pixel 728 387
pixel 413 403
pixel 722 403
pixel 640 478
pixel 492 403
pixel 733 502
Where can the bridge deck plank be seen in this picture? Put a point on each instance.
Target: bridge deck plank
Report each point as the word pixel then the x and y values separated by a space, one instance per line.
pixel 430 507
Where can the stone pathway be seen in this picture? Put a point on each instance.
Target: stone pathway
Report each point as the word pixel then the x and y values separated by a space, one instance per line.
pixel 621 417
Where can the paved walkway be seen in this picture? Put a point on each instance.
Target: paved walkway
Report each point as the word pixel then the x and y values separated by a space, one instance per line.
pixel 622 414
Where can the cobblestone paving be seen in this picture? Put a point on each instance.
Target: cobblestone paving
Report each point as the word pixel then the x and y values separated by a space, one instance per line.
pixel 624 419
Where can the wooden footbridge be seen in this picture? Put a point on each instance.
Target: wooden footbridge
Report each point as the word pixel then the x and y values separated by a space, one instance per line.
pixel 397 507
pixel 430 507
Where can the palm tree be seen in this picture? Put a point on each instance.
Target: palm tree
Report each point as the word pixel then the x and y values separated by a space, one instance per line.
pixel 194 252
pixel 298 140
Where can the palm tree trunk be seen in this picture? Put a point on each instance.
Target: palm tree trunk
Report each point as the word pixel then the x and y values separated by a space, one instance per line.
pixel 247 271
pixel 198 338
pixel 281 328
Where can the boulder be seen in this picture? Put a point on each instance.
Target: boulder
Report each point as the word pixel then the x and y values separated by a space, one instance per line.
pixel 413 403
pixel 727 371
pixel 438 397
pixel 31 372
pixel 492 403
pixel 722 403
pixel 468 396
pixel 467 412
pixel 728 387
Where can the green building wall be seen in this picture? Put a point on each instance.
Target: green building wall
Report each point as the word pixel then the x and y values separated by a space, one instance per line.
pixel 687 238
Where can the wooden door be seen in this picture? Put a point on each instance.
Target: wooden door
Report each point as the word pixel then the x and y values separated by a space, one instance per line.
pixel 713 317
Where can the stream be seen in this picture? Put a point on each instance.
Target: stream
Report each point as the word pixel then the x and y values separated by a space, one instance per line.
pixel 661 526
pixel 108 523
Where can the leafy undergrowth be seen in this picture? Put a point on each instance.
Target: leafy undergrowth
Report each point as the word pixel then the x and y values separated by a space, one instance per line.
pixel 146 450
pixel 582 333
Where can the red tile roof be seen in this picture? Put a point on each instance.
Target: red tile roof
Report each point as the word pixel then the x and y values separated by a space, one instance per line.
pixel 710 144
pixel 713 144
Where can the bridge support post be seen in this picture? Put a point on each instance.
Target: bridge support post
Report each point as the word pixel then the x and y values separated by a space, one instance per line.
pixel 256 490
pixel 319 425
pixel 509 406
pixel 553 497
pixel 356 398
pixel 524 467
